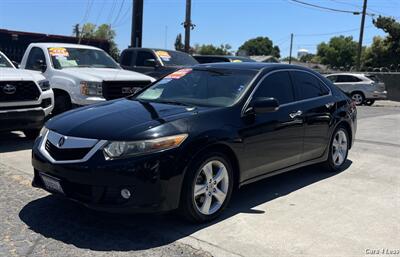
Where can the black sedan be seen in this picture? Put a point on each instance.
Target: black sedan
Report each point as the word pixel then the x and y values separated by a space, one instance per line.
pixel 188 140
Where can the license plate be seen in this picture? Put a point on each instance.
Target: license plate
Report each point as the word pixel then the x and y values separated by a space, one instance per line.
pixel 51 183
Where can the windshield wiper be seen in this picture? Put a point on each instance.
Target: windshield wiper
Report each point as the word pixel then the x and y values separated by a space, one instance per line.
pixel 166 102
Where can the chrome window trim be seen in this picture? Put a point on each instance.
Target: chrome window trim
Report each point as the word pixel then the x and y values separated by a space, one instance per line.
pixel 96 147
pixel 290 103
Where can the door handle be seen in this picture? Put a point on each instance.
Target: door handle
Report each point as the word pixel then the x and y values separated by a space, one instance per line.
pixel 295 114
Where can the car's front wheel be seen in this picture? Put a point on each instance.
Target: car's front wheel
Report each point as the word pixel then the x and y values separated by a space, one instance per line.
pixel 338 149
pixel 369 102
pixel 207 188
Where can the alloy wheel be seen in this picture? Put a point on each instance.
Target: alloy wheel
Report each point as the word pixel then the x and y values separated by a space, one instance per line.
pixel 339 148
pixel 211 187
pixel 357 98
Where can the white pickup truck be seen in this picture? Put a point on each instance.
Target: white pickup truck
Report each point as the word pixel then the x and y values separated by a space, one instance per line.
pixel 25 99
pixel 81 75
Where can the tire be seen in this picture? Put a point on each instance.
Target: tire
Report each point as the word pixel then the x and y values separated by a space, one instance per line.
pixel 369 102
pixel 31 133
pixel 338 150
pixel 62 103
pixel 205 206
pixel 358 98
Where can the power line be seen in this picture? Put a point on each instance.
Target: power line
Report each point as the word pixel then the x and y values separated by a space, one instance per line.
pixel 87 12
pixel 329 8
pixel 119 11
pixel 330 33
pixel 114 4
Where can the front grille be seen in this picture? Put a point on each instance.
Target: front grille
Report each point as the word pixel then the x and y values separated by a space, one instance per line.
pixel 65 154
pixel 118 89
pixel 13 91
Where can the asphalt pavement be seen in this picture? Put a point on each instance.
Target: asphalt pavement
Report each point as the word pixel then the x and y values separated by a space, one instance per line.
pixel 306 212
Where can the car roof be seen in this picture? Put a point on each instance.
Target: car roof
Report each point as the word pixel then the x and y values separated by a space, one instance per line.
pixel 347 74
pixel 151 49
pixel 258 66
pixel 50 44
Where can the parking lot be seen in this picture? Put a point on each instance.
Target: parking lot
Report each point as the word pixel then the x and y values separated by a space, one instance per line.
pixel 307 212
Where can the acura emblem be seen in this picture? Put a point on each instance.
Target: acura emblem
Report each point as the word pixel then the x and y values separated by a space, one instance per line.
pixel 9 89
pixel 61 141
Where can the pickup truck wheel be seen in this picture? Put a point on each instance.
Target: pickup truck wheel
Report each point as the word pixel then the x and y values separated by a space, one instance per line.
pixel 32 133
pixel 369 102
pixel 62 103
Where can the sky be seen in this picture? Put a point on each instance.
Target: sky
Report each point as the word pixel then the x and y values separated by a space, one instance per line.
pixel 217 21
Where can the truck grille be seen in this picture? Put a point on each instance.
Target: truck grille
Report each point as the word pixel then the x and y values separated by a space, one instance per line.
pixel 13 91
pixel 63 154
pixel 118 89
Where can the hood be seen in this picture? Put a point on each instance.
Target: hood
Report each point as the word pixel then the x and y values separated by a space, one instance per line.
pixel 7 74
pixel 121 119
pixel 100 74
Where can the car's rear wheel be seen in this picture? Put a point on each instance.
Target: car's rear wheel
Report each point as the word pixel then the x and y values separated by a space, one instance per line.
pixel 358 98
pixel 207 188
pixel 338 149
pixel 369 102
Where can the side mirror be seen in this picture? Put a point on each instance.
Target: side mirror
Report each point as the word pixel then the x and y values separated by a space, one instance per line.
pixel 41 65
pixel 150 63
pixel 264 105
pixel 15 64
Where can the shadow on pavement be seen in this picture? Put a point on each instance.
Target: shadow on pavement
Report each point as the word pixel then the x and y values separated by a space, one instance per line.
pixel 14 141
pixel 71 223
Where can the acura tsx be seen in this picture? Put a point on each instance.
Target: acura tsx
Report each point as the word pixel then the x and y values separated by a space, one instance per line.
pixel 189 139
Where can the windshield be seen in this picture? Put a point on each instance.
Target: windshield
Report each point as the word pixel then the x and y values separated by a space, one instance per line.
pixel 4 63
pixel 78 57
pixel 197 87
pixel 174 58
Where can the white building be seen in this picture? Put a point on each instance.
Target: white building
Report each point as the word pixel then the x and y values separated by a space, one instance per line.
pixel 301 53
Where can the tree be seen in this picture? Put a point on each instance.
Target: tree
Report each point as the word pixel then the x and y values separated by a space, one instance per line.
pixel 213 50
pixel 179 46
pixel 102 32
pixel 260 46
pixel 340 51
pixel 308 58
pixel 384 52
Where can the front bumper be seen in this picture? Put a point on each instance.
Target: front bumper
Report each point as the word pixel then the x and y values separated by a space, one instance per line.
pixel 21 119
pixel 154 181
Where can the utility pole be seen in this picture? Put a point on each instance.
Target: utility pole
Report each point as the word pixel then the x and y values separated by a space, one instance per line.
pixel 137 23
pixel 358 63
pixel 76 30
pixel 291 48
pixel 188 25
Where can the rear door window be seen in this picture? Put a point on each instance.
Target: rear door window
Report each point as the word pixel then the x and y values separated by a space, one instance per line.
pixel 277 85
pixel 308 86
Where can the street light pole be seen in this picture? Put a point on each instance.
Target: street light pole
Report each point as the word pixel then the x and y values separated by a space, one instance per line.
pixel 188 25
pixel 364 12
pixel 291 48
pixel 137 23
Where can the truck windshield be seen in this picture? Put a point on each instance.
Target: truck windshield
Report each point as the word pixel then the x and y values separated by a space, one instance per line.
pixel 199 87
pixel 79 57
pixel 4 63
pixel 175 58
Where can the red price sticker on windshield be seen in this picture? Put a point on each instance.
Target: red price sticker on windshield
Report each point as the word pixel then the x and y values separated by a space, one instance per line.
pixel 178 74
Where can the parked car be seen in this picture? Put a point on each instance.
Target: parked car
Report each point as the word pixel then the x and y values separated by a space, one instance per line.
pixel 191 138
pixel 363 88
pixel 155 62
pixel 25 99
pixel 80 74
pixel 220 58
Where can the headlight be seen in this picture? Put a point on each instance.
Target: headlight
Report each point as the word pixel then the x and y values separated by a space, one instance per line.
pixel 44 85
pixel 43 131
pixel 115 150
pixel 91 88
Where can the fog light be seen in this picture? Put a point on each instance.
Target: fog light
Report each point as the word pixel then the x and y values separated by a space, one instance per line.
pixel 125 193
